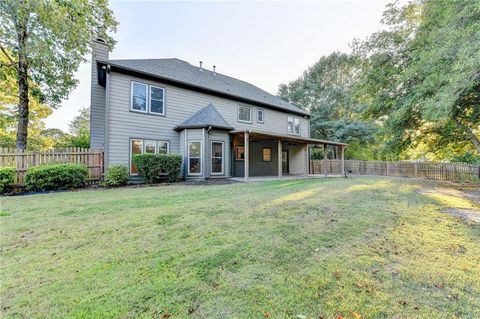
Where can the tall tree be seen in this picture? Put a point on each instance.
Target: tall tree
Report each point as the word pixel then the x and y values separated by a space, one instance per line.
pixel 48 40
pixel 326 90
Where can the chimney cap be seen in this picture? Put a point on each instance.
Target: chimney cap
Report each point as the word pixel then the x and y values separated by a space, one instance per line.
pixel 101 40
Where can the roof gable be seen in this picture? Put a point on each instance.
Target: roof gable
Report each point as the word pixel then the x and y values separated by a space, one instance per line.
pixel 206 117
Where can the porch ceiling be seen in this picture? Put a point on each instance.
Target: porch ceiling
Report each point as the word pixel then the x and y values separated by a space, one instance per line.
pixel 290 138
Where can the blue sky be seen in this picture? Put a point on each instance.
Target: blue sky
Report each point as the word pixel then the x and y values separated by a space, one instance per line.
pixel 264 43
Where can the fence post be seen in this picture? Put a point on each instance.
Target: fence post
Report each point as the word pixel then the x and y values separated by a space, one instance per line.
pixel 386 168
pixel 415 168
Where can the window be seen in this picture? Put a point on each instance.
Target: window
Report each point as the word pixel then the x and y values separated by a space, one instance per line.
pixel 195 157
pixel 136 147
pixel 155 104
pixel 163 147
pixel 267 154
pixel 260 116
pixel 244 114
pixel 296 126
pixel 217 158
pixel 293 125
pixel 156 100
pixel 239 153
pixel 139 146
pixel 139 97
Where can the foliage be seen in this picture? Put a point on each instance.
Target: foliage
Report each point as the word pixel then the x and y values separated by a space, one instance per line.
pixel 326 90
pixel 315 247
pixel 468 157
pixel 80 129
pixel 151 167
pixel 9 112
pixel 420 78
pixel 48 41
pixel 117 175
pixel 7 178
pixel 56 176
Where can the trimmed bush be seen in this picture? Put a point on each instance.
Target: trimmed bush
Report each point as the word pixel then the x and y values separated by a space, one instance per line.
pixel 56 176
pixel 152 167
pixel 116 175
pixel 7 177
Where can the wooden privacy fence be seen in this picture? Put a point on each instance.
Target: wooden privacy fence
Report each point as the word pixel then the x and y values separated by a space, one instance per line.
pixel 429 170
pixel 22 160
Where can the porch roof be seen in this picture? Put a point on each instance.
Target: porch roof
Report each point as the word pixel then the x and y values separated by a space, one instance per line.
pixel 291 138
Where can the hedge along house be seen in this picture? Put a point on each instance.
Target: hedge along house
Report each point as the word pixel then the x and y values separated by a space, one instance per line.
pixel 222 127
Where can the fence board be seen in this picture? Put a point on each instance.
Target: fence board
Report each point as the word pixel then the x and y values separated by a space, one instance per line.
pixel 428 170
pixel 22 160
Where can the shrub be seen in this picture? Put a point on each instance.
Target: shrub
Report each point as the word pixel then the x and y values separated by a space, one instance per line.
pixel 151 167
pixel 56 176
pixel 7 177
pixel 116 175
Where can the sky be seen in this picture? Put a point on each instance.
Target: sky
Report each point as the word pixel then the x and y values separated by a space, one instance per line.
pixel 264 43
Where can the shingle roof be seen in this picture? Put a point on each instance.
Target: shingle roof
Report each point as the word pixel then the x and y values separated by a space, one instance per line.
pixel 208 116
pixel 185 73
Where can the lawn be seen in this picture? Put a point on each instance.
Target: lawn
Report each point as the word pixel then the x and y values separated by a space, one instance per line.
pixel 321 248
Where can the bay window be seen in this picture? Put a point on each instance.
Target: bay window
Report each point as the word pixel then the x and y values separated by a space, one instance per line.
pixel 195 157
pixel 217 158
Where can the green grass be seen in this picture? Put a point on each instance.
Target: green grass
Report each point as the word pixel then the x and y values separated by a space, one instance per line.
pixel 368 247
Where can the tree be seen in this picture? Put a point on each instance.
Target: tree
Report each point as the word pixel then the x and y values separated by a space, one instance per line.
pixel 326 90
pixel 421 79
pixel 9 112
pixel 80 129
pixel 48 40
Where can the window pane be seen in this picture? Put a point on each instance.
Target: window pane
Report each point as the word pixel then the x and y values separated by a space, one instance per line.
pixel 137 148
pixel 195 165
pixel 150 146
pixel 139 103
pixel 217 149
pixel 267 154
pixel 157 93
pixel 240 153
pixel 156 106
pixel 194 149
pixel 139 90
pixel 216 165
pixel 244 113
pixel 260 116
pixel 296 123
pixel 162 147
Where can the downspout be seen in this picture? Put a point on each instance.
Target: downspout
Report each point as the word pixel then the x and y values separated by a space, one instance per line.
pixel 107 112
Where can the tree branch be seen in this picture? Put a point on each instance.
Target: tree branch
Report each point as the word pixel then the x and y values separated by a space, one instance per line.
pixel 12 63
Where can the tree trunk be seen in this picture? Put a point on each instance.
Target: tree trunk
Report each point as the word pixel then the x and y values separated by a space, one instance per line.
pixel 473 138
pixel 22 78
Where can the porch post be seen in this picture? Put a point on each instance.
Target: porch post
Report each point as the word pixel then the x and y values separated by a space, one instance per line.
pixel 325 160
pixel 342 156
pixel 246 154
pixel 306 162
pixel 279 158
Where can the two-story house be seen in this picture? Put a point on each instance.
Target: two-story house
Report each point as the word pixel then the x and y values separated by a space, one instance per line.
pixel 222 127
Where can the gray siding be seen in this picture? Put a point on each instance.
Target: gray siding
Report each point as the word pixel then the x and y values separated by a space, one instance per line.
pixel 180 104
pixel 297 159
pixel 97 100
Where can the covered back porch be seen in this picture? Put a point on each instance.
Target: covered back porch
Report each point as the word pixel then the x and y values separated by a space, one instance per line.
pixel 260 155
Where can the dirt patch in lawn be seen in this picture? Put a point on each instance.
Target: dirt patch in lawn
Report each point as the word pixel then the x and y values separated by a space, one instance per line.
pixel 470 214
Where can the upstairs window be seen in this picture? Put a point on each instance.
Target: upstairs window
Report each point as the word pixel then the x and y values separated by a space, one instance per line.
pixel 260 116
pixel 147 99
pixel 293 125
pixel 139 97
pixel 244 114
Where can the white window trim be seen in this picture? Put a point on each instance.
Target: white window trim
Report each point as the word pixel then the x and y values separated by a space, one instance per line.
pixel 201 158
pixel 238 114
pixel 130 155
pixel 293 125
pixel 150 98
pixel 146 97
pixel 212 157
pixel 263 116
